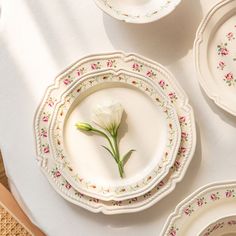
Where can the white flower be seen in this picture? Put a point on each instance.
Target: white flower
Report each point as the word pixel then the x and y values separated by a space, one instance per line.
pixel 108 116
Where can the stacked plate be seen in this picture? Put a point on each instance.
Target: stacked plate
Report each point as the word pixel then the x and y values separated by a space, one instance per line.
pixel 158 124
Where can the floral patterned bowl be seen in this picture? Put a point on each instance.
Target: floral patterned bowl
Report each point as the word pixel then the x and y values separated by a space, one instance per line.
pixel 224 226
pixel 137 11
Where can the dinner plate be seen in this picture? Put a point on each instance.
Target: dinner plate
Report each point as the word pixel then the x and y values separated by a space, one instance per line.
pixel 201 208
pixel 225 226
pixel 215 54
pixel 86 165
pixel 137 65
pixel 139 11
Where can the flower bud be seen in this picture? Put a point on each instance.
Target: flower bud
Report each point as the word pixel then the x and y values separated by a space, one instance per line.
pixel 83 126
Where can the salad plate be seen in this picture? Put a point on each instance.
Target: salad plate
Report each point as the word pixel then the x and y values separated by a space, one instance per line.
pixel 138 66
pixel 85 165
pixel 140 11
pixel 222 227
pixel 195 214
pixel 215 54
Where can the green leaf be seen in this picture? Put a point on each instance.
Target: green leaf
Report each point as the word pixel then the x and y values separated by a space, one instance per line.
pixel 109 151
pixel 127 156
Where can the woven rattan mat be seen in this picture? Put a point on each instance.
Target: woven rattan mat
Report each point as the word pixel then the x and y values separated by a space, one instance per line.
pixel 10 226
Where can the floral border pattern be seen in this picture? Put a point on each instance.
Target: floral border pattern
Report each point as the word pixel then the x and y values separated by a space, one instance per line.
pixel 58 124
pixel 184 155
pixel 224 52
pixel 198 202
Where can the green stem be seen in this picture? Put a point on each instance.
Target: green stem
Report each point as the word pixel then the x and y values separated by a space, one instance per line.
pixel 109 141
pixel 120 164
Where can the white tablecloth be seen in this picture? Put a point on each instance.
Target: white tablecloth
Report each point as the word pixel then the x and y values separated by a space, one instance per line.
pixel 38 39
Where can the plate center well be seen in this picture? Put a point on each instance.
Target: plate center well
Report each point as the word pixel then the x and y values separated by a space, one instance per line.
pixel 143 128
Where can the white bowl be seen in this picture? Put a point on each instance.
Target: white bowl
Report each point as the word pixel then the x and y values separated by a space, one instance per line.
pixel 137 11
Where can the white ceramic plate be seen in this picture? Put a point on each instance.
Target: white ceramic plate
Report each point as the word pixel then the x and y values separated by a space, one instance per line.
pixel 86 165
pixel 215 54
pixel 137 11
pixel 225 226
pixel 202 208
pixel 147 69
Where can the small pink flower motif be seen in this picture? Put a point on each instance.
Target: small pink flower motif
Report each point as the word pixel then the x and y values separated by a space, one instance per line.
pixel 150 74
pixel 111 63
pixel 229 193
pixel 187 211
pixel 45 148
pixel 229 76
pixel 44 133
pixel 200 201
pixel 51 101
pixel 221 65
pixel 57 174
pixel 67 81
pixel 182 119
pixel 222 50
pixel 95 66
pixel 214 196
pixel 137 67
pixel 230 36
pixel 177 164
pixel 172 96
pixel 182 150
pixel 45 117
pixel 173 231
pixel 162 83
pixel 67 185
pixel 184 136
pixel 162 183
pixel 80 71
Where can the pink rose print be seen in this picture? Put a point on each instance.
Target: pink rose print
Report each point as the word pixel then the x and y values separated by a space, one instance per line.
pixel 45 148
pixel 45 117
pixel 150 74
pixel 221 65
pixel 200 201
pixel 229 79
pixel 67 81
pixel 182 119
pixel 184 136
pixel 177 165
pixel 96 66
pixel 51 101
pixel 182 150
pixel 44 133
pixel 229 76
pixel 229 193
pixel 162 84
pixel 137 67
pixel 230 36
pixel 67 185
pixel 188 211
pixel 214 196
pixel 173 231
pixel 111 63
pixel 172 96
pixel 232 222
pixel 57 174
pixel 222 50
pixel 80 71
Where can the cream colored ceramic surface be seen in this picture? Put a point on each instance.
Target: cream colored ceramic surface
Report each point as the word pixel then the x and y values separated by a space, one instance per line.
pixel 215 54
pixel 157 150
pixel 202 208
pixel 222 227
pixel 137 11
pixel 147 69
